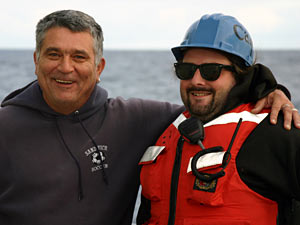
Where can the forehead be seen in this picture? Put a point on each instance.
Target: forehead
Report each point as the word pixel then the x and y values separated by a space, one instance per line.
pixel 205 55
pixel 65 39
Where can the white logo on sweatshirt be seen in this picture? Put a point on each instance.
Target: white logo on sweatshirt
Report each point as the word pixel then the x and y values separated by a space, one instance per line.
pixel 96 157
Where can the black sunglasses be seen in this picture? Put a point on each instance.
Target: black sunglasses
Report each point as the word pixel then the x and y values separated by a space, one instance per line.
pixel 208 71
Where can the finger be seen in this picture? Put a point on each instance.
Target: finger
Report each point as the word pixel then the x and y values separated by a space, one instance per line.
pixel 277 104
pixel 288 115
pixel 260 104
pixel 280 101
pixel 296 118
pixel 275 109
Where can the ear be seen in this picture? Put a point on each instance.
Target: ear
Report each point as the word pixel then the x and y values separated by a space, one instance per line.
pixel 100 67
pixel 35 61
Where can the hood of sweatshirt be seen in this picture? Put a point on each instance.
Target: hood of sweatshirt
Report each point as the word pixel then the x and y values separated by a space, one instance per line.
pixel 31 97
pixel 254 85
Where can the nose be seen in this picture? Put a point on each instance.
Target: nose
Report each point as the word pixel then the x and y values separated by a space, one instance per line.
pixel 198 79
pixel 66 65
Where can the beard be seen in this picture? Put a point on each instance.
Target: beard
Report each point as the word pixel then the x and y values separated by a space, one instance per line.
pixel 209 111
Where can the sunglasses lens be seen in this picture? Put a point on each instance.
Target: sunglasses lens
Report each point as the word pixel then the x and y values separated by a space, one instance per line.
pixel 210 72
pixel 185 71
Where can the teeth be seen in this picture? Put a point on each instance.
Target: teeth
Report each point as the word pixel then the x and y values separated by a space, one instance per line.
pixel 63 81
pixel 199 94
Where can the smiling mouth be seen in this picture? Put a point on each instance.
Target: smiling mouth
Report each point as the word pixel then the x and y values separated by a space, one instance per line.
pixel 200 94
pixel 63 81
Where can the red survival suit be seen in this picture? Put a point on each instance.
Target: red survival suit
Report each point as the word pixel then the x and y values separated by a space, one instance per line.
pixel 178 197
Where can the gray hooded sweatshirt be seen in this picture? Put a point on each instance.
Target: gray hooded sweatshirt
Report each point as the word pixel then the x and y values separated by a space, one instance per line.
pixel 51 171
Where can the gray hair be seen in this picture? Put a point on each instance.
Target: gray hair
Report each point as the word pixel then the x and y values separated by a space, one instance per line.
pixel 75 21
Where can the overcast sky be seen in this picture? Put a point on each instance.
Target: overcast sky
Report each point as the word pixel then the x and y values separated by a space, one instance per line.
pixel 155 24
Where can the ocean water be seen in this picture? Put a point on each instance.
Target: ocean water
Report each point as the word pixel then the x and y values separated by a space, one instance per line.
pixel 144 74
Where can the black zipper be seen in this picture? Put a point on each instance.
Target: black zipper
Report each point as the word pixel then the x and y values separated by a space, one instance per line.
pixel 174 182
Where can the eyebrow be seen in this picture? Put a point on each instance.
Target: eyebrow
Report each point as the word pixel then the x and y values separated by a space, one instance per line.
pixel 76 51
pixel 81 52
pixel 52 49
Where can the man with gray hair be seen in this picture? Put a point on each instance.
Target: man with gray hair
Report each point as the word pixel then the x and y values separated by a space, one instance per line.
pixel 68 154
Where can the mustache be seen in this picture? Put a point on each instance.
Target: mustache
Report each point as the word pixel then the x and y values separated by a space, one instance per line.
pixel 200 89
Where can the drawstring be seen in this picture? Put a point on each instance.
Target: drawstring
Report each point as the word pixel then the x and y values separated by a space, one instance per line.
pixel 97 148
pixel 80 194
pixel 227 155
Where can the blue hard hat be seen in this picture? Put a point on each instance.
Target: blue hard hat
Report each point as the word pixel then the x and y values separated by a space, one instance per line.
pixel 221 32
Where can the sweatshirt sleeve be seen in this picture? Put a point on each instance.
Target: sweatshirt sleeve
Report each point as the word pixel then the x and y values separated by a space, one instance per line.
pixel 152 117
pixel 6 174
pixel 269 161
